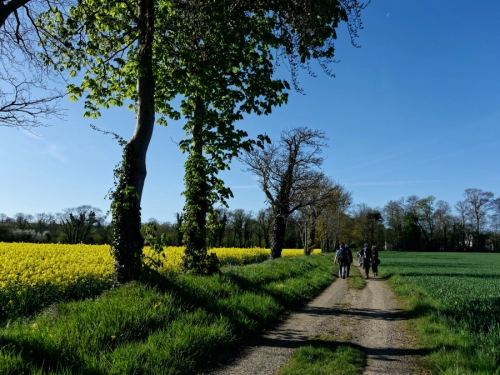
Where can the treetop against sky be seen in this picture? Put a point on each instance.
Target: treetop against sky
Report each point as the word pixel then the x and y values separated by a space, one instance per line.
pixel 413 111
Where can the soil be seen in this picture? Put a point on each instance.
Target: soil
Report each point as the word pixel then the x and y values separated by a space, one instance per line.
pixel 369 318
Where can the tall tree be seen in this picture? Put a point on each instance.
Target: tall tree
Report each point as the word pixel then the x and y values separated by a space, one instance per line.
pixel 394 213
pixel 237 78
pixel 443 222
pixel 263 227
pixel 112 43
pixel 479 202
pixel 327 196
pixel 374 219
pixel 77 223
pixel 495 222
pixel 288 173
pixel 216 56
pixel 333 219
pixel 464 219
pixel 425 212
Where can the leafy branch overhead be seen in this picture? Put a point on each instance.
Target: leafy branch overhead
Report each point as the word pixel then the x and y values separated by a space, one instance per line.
pixel 218 58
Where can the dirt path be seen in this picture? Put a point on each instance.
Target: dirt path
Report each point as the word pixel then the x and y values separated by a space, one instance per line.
pixel 369 318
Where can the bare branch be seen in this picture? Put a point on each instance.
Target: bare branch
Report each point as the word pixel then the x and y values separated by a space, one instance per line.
pixel 28 97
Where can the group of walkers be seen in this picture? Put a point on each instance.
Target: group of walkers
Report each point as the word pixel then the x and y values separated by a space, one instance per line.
pixel 367 257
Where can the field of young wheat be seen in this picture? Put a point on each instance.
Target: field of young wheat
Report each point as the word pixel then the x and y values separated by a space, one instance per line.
pixel 464 289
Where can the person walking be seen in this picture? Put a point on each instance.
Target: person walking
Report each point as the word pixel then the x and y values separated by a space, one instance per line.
pixel 349 258
pixel 341 258
pixel 366 254
pixel 375 261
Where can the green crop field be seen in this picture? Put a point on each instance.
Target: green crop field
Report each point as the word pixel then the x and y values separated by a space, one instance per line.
pixel 464 290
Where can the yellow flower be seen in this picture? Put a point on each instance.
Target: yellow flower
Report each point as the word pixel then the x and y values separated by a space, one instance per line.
pixel 26 266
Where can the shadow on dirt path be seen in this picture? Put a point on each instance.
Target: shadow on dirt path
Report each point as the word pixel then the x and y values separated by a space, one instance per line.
pixel 369 318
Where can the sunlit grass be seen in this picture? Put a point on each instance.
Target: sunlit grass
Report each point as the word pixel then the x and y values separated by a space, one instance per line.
pixel 324 355
pixel 176 324
pixel 355 280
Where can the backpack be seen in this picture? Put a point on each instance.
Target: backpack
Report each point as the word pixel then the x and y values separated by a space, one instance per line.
pixel 342 256
pixel 366 253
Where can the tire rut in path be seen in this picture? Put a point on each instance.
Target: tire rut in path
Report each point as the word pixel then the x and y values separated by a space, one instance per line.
pixel 369 318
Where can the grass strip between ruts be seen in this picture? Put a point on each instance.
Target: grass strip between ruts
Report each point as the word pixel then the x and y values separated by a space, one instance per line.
pixel 323 355
pixel 355 281
pixel 177 324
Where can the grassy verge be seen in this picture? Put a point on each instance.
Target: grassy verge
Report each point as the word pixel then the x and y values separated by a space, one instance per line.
pixel 323 355
pixel 175 324
pixel 446 343
pixel 356 281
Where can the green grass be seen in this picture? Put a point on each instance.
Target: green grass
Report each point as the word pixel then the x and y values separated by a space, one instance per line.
pixel 355 280
pixel 323 355
pixel 453 301
pixel 175 324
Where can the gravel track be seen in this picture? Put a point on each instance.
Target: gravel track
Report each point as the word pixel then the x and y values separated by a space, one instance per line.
pixel 369 318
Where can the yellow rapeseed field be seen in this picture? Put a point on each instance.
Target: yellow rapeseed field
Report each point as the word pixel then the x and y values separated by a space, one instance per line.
pixel 31 264
pixel 32 275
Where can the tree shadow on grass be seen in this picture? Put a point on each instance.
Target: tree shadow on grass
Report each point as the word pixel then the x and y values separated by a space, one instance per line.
pixel 37 355
pixel 219 302
pixel 248 317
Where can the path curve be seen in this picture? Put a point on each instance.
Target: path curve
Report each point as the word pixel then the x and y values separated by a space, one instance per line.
pixel 369 318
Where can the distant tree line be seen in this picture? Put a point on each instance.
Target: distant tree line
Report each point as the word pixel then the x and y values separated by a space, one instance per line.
pixel 407 224
pixel 83 224
pixel 424 224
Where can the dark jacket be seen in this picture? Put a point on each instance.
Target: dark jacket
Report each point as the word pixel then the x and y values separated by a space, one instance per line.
pixel 366 253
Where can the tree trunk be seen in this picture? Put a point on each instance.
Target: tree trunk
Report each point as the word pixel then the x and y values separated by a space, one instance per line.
pixel 278 236
pixel 127 239
pixel 312 236
pixel 196 206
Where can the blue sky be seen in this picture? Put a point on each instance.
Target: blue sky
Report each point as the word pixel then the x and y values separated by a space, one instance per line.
pixel 415 110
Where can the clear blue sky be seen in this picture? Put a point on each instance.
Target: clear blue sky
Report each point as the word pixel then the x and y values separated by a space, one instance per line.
pixel 415 110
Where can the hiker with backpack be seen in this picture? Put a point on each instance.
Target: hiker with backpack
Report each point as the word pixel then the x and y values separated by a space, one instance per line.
pixel 366 254
pixel 375 260
pixel 342 259
pixel 349 257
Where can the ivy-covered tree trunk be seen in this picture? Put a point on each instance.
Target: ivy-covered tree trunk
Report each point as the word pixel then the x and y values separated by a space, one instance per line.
pixel 196 205
pixel 127 239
